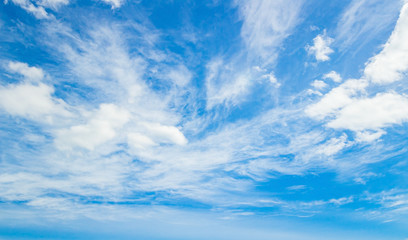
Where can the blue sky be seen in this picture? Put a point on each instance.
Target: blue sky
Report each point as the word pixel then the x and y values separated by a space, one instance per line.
pixel 265 119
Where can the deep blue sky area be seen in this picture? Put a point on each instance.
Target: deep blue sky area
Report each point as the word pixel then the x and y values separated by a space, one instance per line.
pixel 264 119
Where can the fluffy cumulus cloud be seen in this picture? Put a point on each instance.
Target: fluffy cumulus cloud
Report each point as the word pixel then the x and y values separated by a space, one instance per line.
pixel 347 107
pixel 334 76
pixel 337 98
pixel 321 47
pixel 166 133
pixel 30 73
pixel 372 113
pixel 31 101
pixel 101 127
pixel 30 98
pixel 319 84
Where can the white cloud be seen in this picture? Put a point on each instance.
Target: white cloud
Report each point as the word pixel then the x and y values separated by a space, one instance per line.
pixel 31 101
pixel 321 47
pixel 319 84
pixel 100 128
pixel 272 79
pixel 369 136
pixel 332 146
pixel 267 23
pixel 140 141
pixel 296 187
pixel 347 107
pixel 336 99
pixel 229 83
pixel 180 75
pixel 114 3
pixel 224 85
pixel 363 20
pixel 37 7
pixel 54 4
pixel 381 111
pixel 38 11
pixel 333 76
pixel 392 62
pixel 162 133
pixel 313 92
pixel 103 63
pixel 30 73
pixel 394 203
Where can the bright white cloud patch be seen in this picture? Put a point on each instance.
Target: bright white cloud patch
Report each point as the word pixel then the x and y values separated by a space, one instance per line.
pixel 166 134
pixel 336 99
pixel 347 108
pixel 101 127
pixel 319 84
pixel 321 47
pixel 391 63
pixel 31 98
pixel 31 101
pixel 30 73
pixel 334 76
pixel 372 113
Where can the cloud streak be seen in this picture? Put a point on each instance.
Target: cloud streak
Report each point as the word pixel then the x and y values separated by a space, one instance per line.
pixel 122 112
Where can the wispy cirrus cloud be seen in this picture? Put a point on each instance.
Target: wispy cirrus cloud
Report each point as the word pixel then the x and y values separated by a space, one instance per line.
pixel 38 8
pixel 119 112
pixel 365 18
pixel 266 24
pixel 321 47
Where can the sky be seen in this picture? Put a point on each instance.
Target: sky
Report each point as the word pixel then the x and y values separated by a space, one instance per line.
pixel 183 119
